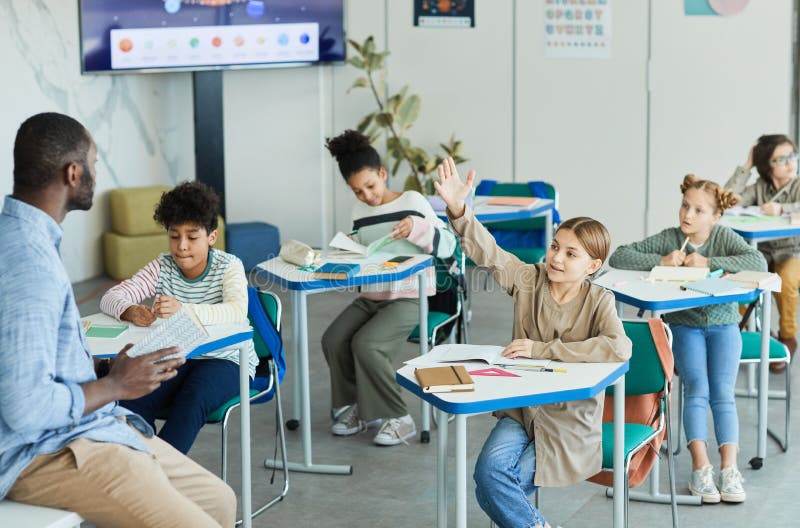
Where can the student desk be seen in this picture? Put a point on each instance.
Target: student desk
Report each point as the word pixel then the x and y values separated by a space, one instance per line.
pixel 757 229
pixel 486 214
pixel 581 381
pixel 630 288
pixel 278 273
pixel 220 337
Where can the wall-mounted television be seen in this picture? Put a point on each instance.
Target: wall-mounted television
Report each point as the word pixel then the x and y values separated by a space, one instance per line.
pixel 156 35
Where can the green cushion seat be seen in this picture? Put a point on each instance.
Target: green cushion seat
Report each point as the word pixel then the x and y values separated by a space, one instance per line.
pixel 635 434
pixel 434 320
pixel 751 347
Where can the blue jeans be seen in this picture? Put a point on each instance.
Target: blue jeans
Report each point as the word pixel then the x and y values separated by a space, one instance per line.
pixel 707 360
pixel 200 387
pixel 504 476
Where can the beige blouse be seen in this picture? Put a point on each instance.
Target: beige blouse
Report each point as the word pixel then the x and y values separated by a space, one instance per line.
pixel 568 436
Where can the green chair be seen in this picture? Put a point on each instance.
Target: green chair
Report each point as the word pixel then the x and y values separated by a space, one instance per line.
pixel 265 385
pixel 645 376
pixel 506 232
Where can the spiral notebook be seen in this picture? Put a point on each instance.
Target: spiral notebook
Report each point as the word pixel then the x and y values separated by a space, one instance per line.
pixel 716 287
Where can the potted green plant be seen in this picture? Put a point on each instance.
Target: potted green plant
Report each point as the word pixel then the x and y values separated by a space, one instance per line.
pixel 394 116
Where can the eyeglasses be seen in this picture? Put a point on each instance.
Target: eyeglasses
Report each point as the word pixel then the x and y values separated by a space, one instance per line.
pixel 784 160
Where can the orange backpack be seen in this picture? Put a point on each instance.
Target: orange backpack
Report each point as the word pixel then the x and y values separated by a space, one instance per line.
pixel 643 409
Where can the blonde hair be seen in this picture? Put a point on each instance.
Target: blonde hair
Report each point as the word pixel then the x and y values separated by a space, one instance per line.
pixel 722 198
pixel 592 235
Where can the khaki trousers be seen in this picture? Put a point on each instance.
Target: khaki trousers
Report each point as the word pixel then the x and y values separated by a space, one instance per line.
pixel 114 485
pixel 360 346
pixel 789 271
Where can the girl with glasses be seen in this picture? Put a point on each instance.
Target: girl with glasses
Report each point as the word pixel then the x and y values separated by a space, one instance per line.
pixel 777 191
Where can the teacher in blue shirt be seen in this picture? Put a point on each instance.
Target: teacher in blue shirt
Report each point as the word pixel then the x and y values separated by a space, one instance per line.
pixel 64 441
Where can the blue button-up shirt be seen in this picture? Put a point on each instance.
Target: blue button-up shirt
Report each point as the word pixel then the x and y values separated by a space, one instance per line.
pixel 43 353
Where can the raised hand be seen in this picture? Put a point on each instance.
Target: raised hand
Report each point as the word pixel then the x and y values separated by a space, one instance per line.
pixel 450 187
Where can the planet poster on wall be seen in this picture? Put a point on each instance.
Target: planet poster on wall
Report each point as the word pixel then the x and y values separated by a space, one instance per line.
pixel 577 30
pixel 444 13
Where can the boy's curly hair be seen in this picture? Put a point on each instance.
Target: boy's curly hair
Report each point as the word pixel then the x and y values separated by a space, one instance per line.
pixel 189 203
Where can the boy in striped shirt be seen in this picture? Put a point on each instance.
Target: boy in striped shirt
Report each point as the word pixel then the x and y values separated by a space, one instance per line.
pixel 210 283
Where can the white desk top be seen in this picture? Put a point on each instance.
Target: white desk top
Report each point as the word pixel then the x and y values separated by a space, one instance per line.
pixel 220 337
pixel 16 514
pixel 753 228
pixel 630 288
pixel 372 272
pixel 492 393
pixel 500 213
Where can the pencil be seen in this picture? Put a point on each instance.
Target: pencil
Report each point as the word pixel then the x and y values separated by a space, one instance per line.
pixel 684 244
pixel 780 192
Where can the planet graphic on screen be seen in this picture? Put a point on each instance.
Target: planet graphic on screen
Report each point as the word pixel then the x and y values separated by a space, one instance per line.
pixel 283 39
pixel 728 7
pixel 238 41
pixel 125 45
pixel 304 38
pixel 216 42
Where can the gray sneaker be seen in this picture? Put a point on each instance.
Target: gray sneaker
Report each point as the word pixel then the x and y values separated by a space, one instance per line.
pixel 347 421
pixel 730 485
pixel 396 431
pixel 701 484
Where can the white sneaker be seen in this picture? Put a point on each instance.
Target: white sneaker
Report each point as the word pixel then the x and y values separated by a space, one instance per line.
pixel 730 485
pixel 701 484
pixel 396 431
pixel 347 421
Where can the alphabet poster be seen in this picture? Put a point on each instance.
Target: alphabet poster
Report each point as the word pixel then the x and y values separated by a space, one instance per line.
pixel 577 29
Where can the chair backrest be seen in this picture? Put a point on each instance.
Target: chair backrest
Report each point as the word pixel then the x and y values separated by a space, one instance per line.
pixel 450 282
pixel 264 311
pixel 645 372
pixel 519 233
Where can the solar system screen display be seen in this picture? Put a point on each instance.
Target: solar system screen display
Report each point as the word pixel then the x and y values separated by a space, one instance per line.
pixel 140 35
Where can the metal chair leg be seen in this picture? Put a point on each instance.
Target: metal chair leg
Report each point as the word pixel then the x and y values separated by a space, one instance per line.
pixel 671 466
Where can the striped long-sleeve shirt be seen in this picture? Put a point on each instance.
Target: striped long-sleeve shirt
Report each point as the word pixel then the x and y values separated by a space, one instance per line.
pixel 217 296
pixel 429 235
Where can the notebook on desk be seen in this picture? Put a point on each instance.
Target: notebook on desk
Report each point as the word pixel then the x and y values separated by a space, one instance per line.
pixel 716 287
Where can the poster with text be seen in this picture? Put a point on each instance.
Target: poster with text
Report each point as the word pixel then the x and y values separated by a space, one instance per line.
pixel 577 29
pixel 444 13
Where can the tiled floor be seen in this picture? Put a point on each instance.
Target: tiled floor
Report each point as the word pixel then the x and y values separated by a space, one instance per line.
pixel 394 486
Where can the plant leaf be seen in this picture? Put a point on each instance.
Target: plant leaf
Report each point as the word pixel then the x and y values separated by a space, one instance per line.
pixel 408 111
pixel 384 119
pixel 412 184
pixel 354 44
pixel 365 122
pixel 368 46
pixel 360 82
pixel 356 62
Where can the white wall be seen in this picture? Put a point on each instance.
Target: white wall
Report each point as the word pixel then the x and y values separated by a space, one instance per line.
pixel 142 124
pixel 715 89
pixel 716 84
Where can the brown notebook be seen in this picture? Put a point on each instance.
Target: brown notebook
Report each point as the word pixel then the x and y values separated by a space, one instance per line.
pixel 453 378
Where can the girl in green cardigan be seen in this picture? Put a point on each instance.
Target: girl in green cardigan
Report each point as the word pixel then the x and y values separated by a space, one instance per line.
pixel 706 340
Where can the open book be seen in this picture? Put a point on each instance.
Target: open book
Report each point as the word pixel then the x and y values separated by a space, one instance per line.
pixel 345 243
pixel 492 355
pixel 182 330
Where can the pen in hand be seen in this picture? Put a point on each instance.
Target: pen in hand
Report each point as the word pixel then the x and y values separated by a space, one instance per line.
pixel 684 244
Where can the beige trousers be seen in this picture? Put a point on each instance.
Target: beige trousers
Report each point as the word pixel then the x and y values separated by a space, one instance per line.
pixel 114 485
pixel 789 270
